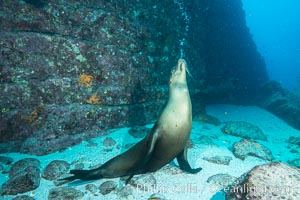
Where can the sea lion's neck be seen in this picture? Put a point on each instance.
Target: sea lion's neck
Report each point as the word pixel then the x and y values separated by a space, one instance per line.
pixel 179 97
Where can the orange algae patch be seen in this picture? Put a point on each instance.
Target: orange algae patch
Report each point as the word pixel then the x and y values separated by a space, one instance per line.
pixel 94 99
pixel 85 80
pixel 33 117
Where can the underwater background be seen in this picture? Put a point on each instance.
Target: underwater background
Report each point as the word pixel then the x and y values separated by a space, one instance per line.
pixel 83 81
pixel 275 26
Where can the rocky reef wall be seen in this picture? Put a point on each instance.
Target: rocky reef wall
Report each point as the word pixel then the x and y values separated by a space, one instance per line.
pixel 69 70
pixel 233 68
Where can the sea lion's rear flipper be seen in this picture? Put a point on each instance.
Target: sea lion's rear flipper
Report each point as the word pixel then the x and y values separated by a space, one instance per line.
pixel 184 164
pixel 153 136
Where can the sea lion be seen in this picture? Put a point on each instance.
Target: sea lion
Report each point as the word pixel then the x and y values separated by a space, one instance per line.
pixel 167 139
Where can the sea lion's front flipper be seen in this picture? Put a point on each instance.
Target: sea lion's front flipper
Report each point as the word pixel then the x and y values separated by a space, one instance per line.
pixel 184 164
pixel 83 175
pixel 153 136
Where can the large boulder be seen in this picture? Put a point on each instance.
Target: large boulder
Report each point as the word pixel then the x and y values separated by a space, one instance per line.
pixel 269 181
pixel 55 169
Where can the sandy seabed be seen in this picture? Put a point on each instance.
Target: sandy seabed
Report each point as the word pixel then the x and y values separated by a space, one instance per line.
pixel 178 185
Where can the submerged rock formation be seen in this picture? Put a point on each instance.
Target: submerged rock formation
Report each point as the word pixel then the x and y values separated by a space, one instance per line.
pixel 70 70
pixel 281 102
pixel 24 176
pixel 269 181
pixel 233 68
pixel 245 148
pixel 244 130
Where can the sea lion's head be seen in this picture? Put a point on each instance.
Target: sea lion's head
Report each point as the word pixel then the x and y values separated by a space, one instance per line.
pixel 178 75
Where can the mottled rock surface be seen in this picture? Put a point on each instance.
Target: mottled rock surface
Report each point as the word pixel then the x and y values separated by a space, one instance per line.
pixel 221 160
pixel 23 197
pixel 244 130
pixel 245 148
pixel 70 70
pixel 143 182
pixel 205 118
pixel 294 140
pixel 220 181
pixel 55 169
pixel 205 140
pixel 21 166
pixel 107 186
pixel 269 181
pixel 64 193
pixel 91 188
pixel 125 192
pixel 24 176
pixel 109 142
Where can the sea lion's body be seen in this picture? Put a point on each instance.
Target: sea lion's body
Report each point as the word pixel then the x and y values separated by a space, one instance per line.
pixel 167 140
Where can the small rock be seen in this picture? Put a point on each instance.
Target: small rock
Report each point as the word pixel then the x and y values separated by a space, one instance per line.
pixel 64 193
pixel 143 182
pixel 295 162
pixel 294 140
pixel 6 160
pixel 23 197
pixel 221 181
pixel 221 160
pixel 21 165
pixel 269 181
pixel 109 142
pixel 107 187
pixel 24 181
pixel 205 140
pixel 139 131
pixel 246 148
pixel 91 188
pixel 205 118
pixel 157 196
pixel 55 169
pixel 171 170
pixel 125 192
pixel 79 165
pixel 91 144
pixel 244 130
pixel 1 167
pixel 294 151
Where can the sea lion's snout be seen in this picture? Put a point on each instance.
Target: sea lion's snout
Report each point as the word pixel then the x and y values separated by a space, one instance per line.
pixel 181 65
pixel 178 74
